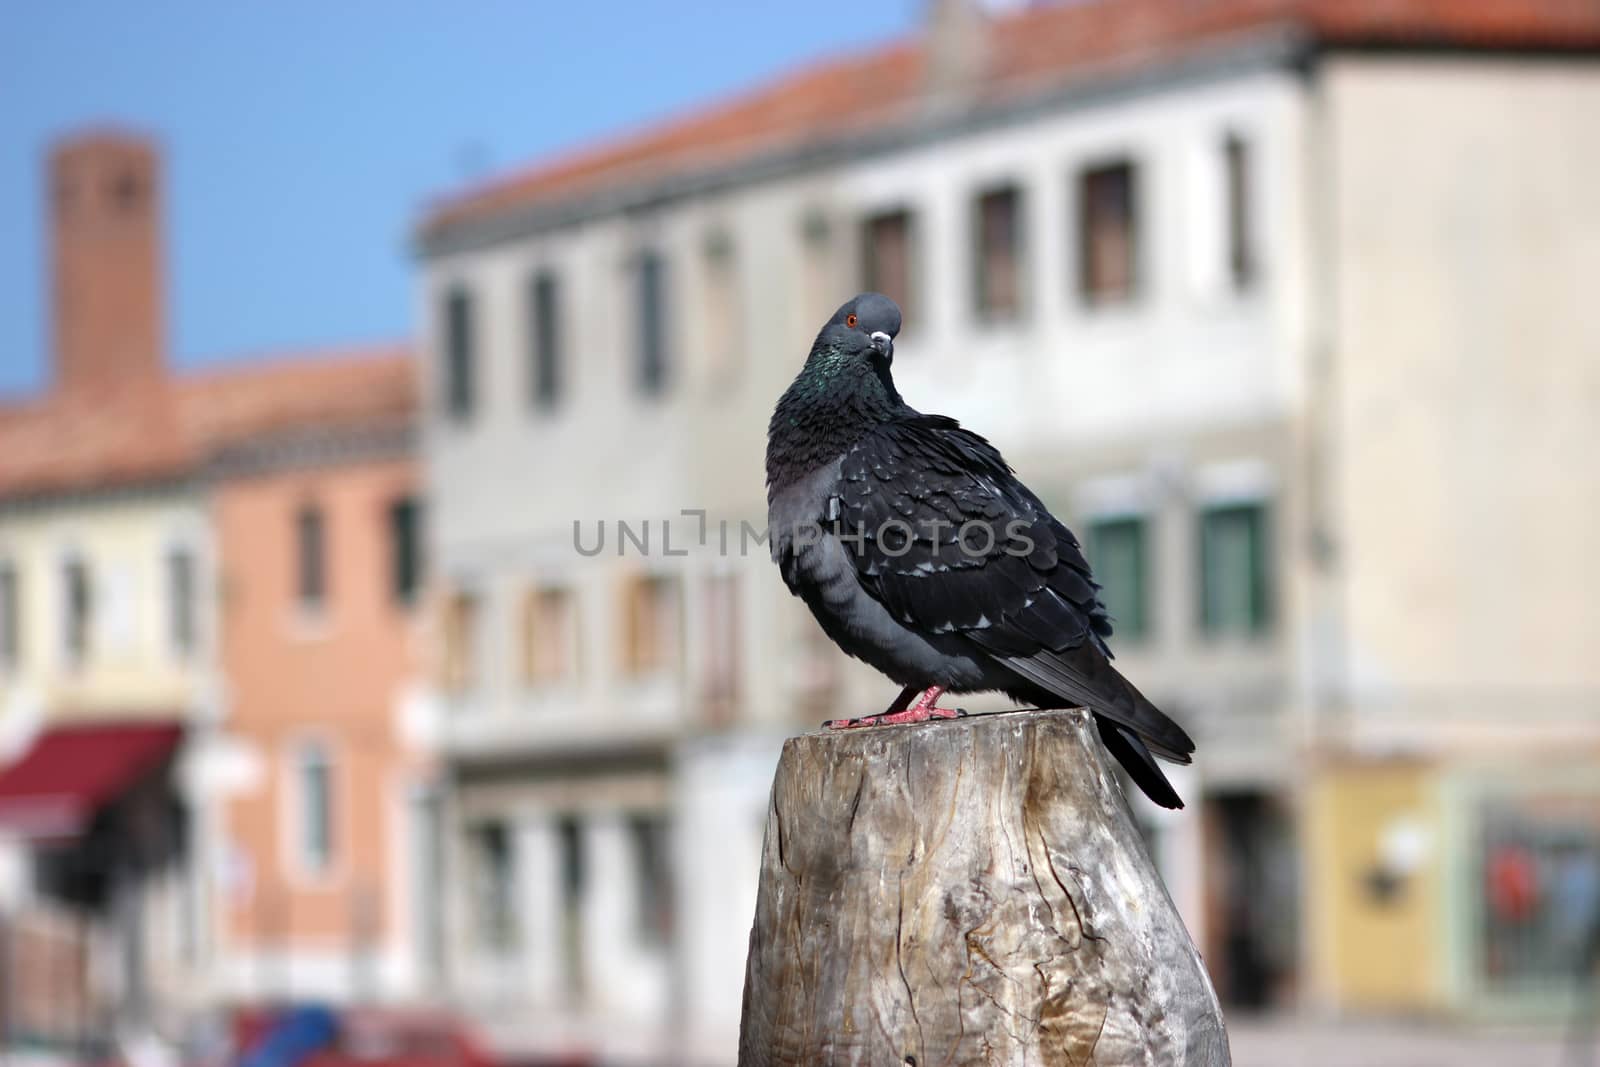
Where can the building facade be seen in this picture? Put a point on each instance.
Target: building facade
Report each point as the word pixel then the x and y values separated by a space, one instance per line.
pixel 1458 723
pixel 319 560
pixel 1246 291
pixel 105 640
pixel 136 552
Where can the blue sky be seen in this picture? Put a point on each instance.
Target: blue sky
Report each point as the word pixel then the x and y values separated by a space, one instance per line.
pixel 301 138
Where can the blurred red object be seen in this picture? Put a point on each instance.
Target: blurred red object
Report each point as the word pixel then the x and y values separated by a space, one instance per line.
pixel 1513 883
pixel 376 1037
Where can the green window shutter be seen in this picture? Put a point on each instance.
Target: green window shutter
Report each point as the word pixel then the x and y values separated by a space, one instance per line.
pixel 1235 592
pixel 1118 553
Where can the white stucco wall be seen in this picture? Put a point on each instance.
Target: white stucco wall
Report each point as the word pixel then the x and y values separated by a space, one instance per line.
pixel 1157 389
pixel 1175 393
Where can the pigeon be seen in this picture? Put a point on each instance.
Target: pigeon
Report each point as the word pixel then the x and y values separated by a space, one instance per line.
pixel 920 553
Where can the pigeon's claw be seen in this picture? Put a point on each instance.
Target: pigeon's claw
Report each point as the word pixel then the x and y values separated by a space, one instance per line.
pixel 898 718
pixel 924 708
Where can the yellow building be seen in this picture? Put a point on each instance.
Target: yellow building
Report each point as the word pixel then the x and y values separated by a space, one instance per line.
pixel 104 613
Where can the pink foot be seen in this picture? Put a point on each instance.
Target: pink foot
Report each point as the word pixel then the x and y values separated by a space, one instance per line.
pixel 924 708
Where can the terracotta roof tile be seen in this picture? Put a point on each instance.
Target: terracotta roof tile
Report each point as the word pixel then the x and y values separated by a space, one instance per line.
pixel 55 445
pixel 222 407
pixel 65 444
pixel 1027 51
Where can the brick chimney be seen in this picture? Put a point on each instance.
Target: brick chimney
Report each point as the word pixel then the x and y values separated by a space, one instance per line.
pixel 105 238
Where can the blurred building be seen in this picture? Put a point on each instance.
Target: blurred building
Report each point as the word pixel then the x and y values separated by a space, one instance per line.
pixel 316 525
pixel 152 779
pixel 1280 302
pixel 104 636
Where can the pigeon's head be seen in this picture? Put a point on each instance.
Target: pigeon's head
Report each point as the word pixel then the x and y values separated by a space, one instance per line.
pixel 865 325
pixel 846 379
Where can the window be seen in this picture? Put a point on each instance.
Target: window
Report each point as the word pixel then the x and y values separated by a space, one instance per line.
pixel 1536 886
pixel 311 568
pixel 653 878
pixel 458 354
pixel 997 262
pixel 569 846
pixel 1108 251
pixel 494 887
pixel 723 312
pixel 10 613
pixel 405 548
pixel 182 628
pixel 460 640
pixel 1117 552
pixel 544 340
pixel 1241 239
pixel 1235 593
pixel 886 258
pixel 653 370
pixel 549 639
pixel 314 775
pixel 77 610
pixel 721 630
pixel 653 623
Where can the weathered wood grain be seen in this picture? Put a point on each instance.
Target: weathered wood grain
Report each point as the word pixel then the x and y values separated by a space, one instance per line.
pixel 966 892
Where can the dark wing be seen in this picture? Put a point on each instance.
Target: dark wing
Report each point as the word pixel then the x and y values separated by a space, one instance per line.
pixel 949 541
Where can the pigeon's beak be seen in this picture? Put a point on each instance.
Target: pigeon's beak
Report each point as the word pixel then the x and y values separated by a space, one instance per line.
pixel 883 343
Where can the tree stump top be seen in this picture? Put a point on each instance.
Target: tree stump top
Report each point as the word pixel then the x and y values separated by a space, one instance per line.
pixel 966 892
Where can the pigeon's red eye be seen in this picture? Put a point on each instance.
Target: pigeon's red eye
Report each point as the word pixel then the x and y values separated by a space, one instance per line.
pixel 850 320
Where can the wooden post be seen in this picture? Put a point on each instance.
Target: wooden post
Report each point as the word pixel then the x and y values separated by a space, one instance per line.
pixel 967 892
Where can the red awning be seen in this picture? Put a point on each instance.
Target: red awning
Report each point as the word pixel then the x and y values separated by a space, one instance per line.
pixel 71 772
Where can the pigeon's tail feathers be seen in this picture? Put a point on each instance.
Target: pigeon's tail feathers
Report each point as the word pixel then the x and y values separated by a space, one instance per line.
pixel 1133 730
pixel 1084 676
pixel 1137 760
pixel 1181 758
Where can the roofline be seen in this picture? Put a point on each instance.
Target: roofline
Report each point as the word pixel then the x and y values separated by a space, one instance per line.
pixel 377 441
pixel 1293 47
pixel 233 365
pixel 1284 47
pixel 170 487
pixel 191 473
